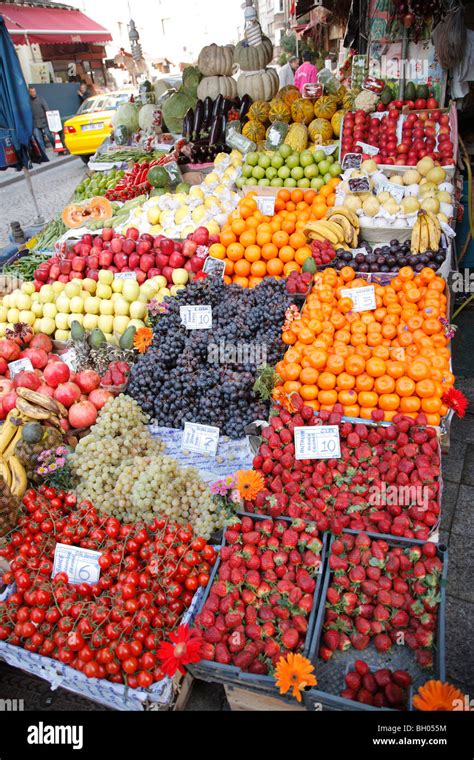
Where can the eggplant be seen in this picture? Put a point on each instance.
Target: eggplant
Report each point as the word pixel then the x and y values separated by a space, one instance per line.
pixel 215 132
pixel 228 104
pixel 207 115
pixel 217 106
pixel 198 118
pixel 188 123
pixel 245 104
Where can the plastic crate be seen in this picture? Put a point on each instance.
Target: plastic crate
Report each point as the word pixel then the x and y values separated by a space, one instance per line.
pixel 215 672
pixel 330 674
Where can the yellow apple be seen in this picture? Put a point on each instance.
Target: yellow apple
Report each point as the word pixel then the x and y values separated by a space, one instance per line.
pixel 106 307
pixel 136 323
pixel 106 323
pixel 137 310
pixel 37 308
pixel 62 335
pixel 89 284
pixel 121 307
pixel 117 285
pixel 90 321
pixel 103 291
pixel 62 321
pixel 92 305
pixel 28 288
pixel 23 302
pixel 74 318
pixel 50 310
pixel 13 316
pixel 159 281
pixel 121 323
pixel 106 277
pixel 3 329
pixel 3 314
pixel 27 317
pixel 63 303
pixel 72 289
pixel 131 290
pixel 77 305
pixel 47 325
pixel 58 287
pixel 47 294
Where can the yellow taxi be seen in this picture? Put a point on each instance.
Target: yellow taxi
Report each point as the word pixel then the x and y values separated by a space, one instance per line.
pixel 87 129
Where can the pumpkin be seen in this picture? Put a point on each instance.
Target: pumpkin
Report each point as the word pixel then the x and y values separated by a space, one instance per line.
pixel 261 85
pixel 321 127
pixel 253 57
pixel 279 111
pixel 289 94
pixel 336 122
pixel 302 110
pixel 297 137
pixel 214 86
pixel 259 111
pixel 254 130
pixel 325 107
pixel 97 208
pixel 216 60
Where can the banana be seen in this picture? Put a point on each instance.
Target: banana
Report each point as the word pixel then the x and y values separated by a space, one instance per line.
pixel 350 215
pixel 32 411
pixel 7 434
pixel 45 402
pixel 415 236
pixel 10 450
pixel 346 226
pixel 424 235
pixel 327 229
pixel 19 481
pixel 316 236
pixel 434 228
pixel 5 472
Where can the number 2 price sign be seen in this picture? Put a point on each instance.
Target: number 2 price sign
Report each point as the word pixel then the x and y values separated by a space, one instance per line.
pixel 318 442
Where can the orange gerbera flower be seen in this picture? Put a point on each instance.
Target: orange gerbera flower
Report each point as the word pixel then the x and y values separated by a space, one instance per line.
pixel 249 484
pixel 143 339
pixel 283 399
pixel 436 696
pixel 294 672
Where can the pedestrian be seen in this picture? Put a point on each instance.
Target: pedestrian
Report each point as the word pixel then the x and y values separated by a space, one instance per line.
pixel 307 72
pixel 286 73
pixel 83 92
pixel 40 123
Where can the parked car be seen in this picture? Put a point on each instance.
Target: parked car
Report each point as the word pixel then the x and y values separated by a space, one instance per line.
pixel 87 129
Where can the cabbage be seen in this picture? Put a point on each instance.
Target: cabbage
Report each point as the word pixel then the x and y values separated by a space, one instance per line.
pixel 126 115
pixel 191 78
pixel 174 109
pixel 146 116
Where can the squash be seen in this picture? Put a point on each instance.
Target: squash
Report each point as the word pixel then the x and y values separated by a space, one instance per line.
pixel 325 107
pixel 289 94
pixel 260 111
pixel 253 57
pixel 340 94
pixel 216 60
pixel 302 110
pixel 297 137
pixel 213 86
pixel 348 101
pixel 261 85
pixel 321 127
pixel 254 130
pixel 279 111
pixel 336 122
pixel 97 208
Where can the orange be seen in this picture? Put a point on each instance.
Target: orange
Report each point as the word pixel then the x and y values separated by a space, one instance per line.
pixel 280 238
pixel 248 238
pixel 364 382
pixel 309 392
pixel 242 281
pixel 291 266
pixel 405 387
pixel 235 251
pixel 355 365
pixel 309 376
pixel 410 404
pixel 384 384
pixel 274 267
pixel 327 381
pixel 227 237
pixel 297 240
pixel 327 398
pixel 425 388
pixel 252 253
pixel 302 254
pixel 418 370
pixel 253 281
pixel 389 402
pixel 375 367
pixel 217 250
pixel 347 397
pixel 309 196
pixel 269 251
pixel 297 195
pixel 335 364
pixel 284 195
pixel 286 253
pixel 318 358
pixel 258 269
pixel 229 267
pixel 242 268
pixel 367 399
pixel 238 226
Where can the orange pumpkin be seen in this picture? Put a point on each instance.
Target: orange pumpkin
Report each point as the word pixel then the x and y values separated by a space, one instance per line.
pixel 97 208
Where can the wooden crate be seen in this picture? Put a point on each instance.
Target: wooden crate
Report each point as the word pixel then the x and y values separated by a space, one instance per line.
pixel 245 700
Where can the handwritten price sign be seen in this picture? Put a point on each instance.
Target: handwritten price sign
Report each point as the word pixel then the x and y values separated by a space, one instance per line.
pixel 318 442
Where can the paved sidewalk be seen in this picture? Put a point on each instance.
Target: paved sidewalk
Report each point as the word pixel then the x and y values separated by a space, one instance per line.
pixel 11 176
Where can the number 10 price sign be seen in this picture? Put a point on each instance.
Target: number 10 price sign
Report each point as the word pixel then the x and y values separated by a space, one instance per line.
pixel 318 442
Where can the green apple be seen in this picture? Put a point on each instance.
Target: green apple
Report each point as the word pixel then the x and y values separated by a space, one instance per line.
pixel 250 182
pixel 330 159
pixel 319 155
pixel 317 183
pixel 285 151
pixel 297 173
pixel 284 172
pixel 323 167
pixel 290 182
pixel 252 159
pixel 264 161
pixel 327 177
pixel 306 158
pixel 258 172
pixel 246 170
pixel 336 169
pixel 311 171
pixel 293 160
pixel 271 172
pixel 277 161
pixel 304 182
pixel 264 182
pixel 240 182
pixel 276 182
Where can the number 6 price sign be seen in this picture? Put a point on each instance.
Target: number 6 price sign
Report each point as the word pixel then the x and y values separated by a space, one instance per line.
pixel 81 565
pixel 318 442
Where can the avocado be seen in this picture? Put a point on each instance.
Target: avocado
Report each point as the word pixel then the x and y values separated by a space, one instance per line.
pixel 410 91
pixel 309 265
pixel 423 91
pixel 126 340
pixel 96 338
pixel 77 331
pixel 32 432
pixel 183 187
pixel 386 96
pixel 157 191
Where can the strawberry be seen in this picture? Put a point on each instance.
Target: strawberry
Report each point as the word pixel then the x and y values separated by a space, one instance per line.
pixel 400 619
pixel 268 629
pixel 349 694
pixel 258 668
pixel 231 536
pixel 244 659
pixel 365 697
pixel 363 625
pixel 290 539
pixel 353 680
pixel 253 562
pixel 402 678
pixel 248 597
pixel 357 574
pixel 382 643
pixel 394 694
pixel 361 667
pixel 206 619
pixel 222 654
pixel 382 677
pixel 212 635
pixel 207 651
pixel 233 619
pixel 331 639
pixel 424 638
pixel 424 657
pixel 359 641
pixel 369 683
pixel 290 638
pixel 253 631
pixel 220 588
pixel 281 612
pixel 237 576
pixel 252 579
pixel 300 623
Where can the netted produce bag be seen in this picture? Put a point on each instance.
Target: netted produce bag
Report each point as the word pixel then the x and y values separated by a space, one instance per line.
pixel 9 507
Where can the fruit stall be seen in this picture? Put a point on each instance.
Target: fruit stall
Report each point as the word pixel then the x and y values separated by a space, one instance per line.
pixel 226 386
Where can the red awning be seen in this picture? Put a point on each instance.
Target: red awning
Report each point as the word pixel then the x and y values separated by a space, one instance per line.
pixel 50 25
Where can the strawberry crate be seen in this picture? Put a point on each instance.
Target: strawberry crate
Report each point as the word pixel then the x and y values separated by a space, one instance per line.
pixel 331 673
pixel 215 672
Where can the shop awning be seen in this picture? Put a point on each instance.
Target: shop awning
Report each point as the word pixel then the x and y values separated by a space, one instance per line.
pixel 48 26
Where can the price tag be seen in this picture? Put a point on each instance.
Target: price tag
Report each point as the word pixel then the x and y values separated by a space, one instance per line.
pixel 362 298
pixel 21 365
pixel 125 275
pixel 352 161
pixel 70 359
pixel 355 251
pixel 200 439
pixel 448 231
pixel 265 204
pixel 359 185
pixel 214 267
pixel 81 565
pixel 318 442
pixel 196 317
pixel 327 149
pixel 370 149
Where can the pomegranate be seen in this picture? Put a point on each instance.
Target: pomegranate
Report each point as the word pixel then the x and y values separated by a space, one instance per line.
pixel 42 341
pixel 82 415
pixel 9 350
pixel 37 356
pixel 88 380
pixel 46 390
pixel 9 401
pixel 26 380
pixel 99 397
pixel 67 394
pixel 56 373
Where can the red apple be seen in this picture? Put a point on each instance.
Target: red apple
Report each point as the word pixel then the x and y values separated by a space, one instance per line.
pixel 167 246
pixel 107 233
pixel 116 245
pixel 177 260
pixel 161 260
pixel 105 259
pixel 134 260
pixel 128 246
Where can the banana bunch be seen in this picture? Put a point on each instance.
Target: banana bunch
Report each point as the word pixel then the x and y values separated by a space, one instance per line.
pixel 33 406
pixel 426 233
pixel 11 469
pixel 341 228
pixel 348 221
